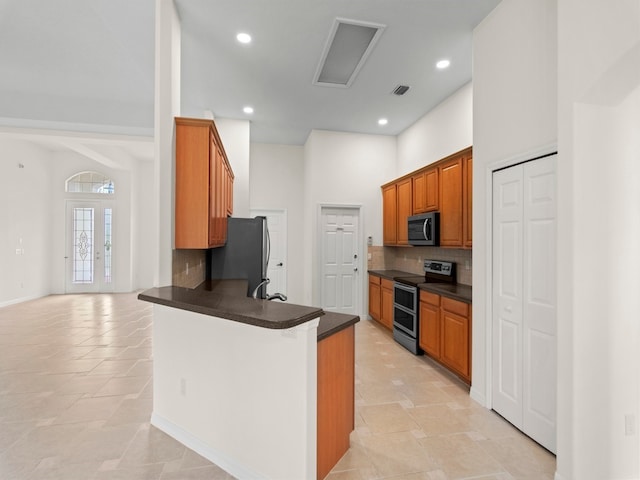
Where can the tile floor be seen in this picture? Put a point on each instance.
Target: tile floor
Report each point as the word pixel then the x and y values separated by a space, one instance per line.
pixel 76 398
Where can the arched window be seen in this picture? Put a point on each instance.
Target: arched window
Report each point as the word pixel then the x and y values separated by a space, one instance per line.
pixel 89 182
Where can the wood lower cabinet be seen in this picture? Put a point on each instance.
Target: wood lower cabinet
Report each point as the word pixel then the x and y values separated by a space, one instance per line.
pixel 204 184
pixel 429 330
pixel 456 337
pixel 445 332
pixel 336 398
pixel 381 300
pixel 374 297
pixel 386 310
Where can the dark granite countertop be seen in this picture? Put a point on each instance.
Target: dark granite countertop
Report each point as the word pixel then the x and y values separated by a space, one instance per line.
pixel 243 309
pixel 331 323
pixel 228 299
pixel 391 274
pixel 457 291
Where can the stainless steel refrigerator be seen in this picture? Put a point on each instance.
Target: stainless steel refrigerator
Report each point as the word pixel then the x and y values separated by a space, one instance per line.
pixel 245 255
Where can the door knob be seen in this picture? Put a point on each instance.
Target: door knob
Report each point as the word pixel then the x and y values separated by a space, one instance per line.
pixel 355 269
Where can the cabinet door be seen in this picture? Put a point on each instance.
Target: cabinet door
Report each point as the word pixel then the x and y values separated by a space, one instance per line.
pixel 386 314
pixel 389 215
pixel 374 297
pixel 451 203
pixel 467 199
pixel 405 210
pixel 432 198
pixel 229 192
pixel 430 329
pixel 419 193
pixel 192 184
pixel 454 346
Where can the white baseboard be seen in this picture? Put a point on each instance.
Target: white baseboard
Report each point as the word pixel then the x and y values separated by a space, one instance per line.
pixel 22 299
pixel 201 448
pixel 478 396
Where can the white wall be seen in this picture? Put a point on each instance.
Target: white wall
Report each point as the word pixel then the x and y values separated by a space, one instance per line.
pixel 599 120
pixel 345 169
pixel 277 182
pixel 25 197
pixel 514 112
pixel 143 228
pixel 235 138
pixel 444 130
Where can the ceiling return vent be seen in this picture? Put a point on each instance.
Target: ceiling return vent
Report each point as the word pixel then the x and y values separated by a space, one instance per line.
pixel 401 90
pixel 349 44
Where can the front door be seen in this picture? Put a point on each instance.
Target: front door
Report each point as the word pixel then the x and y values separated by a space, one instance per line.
pixel 339 268
pixel 89 258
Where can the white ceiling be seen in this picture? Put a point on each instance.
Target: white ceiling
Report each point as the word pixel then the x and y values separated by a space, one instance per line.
pixel 88 66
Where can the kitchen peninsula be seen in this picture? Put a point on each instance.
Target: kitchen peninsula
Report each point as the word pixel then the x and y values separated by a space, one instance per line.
pixel 261 388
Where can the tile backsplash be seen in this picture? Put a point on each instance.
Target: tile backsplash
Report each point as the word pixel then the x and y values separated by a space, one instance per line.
pixel 411 259
pixel 189 267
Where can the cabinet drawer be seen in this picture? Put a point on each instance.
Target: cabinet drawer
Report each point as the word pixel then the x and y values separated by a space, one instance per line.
pixel 374 279
pixel 388 284
pixel 430 298
pixel 455 306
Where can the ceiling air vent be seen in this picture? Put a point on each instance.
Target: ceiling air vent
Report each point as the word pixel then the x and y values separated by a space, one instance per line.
pixel 349 44
pixel 401 90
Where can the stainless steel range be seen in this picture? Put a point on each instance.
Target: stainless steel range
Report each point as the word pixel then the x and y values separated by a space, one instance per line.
pixel 406 300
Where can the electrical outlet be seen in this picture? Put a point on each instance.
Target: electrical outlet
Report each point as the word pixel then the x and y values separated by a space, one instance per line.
pixel 467 265
pixel 629 424
pixel 183 387
pixel 368 256
pixel 187 268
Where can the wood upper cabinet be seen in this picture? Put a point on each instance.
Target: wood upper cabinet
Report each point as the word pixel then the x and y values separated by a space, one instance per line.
pixel 425 191
pixel 451 203
pixel 445 186
pixel 467 202
pixel 405 210
pixel 202 183
pixel 389 215
pixel 374 297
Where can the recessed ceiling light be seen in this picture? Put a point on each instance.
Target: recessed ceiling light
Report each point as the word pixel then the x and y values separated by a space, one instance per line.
pixel 243 38
pixel 383 121
pixel 248 110
pixel 442 64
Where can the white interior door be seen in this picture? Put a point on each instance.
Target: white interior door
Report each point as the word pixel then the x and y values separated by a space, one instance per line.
pixel 277 268
pixel 89 258
pixel 524 313
pixel 340 259
pixel 539 301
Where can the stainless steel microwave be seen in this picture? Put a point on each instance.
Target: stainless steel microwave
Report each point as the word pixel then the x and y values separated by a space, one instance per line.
pixel 424 229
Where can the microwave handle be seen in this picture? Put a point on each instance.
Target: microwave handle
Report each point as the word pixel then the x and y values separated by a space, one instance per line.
pixel 424 229
pixel 429 234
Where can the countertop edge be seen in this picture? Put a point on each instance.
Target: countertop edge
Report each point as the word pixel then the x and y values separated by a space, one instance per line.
pixel 332 323
pixel 226 313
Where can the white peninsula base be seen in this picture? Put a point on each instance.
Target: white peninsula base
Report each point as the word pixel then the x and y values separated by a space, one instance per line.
pixel 242 396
